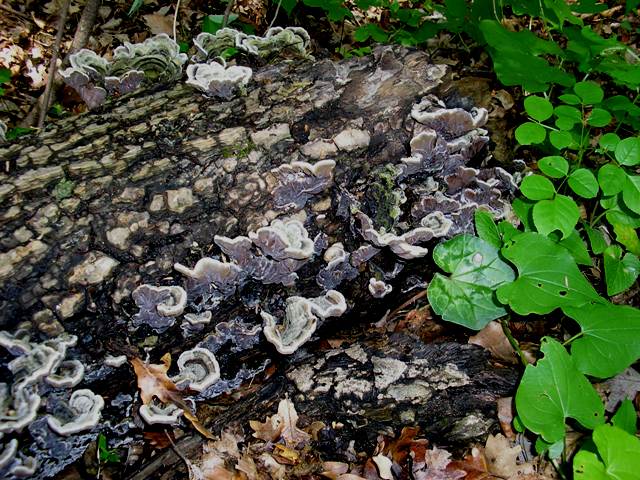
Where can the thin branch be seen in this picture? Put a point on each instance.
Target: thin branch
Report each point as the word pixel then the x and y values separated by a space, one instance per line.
pixel 275 15
pixel 85 27
pixel 227 12
pixel 175 21
pixel 54 62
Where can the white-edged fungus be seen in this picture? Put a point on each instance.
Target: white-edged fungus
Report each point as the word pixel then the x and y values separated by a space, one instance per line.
pixel 68 374
pixel 210 273
pixel 378 288
pixel 284 240
pixel 301 320
pixel 18 409
pixel 298 181
pixel 160 413
pixel 198 368
pixel 213 45
pixel 218 80
pixel 85 407
pixel 115 362
pixel 159 306
pixel 195 322
pixel 405 245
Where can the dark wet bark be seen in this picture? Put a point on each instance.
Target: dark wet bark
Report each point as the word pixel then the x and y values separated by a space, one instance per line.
pixel 98 204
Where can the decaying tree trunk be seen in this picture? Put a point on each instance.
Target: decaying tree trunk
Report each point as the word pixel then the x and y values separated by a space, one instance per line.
pixel 97 205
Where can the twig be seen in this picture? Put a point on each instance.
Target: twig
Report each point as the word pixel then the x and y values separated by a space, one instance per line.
pixel 175 21
pixel 54 62
pixel 80 39
pixel 227 12
pixel 15 12
pixel 275 15
pixel 85 26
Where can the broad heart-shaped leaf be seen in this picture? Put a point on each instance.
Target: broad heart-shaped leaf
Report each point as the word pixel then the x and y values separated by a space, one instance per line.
pixel 609 343
pixel 628 151
pixel 467 297
pixel 554 166
pixel 538 108
pixel 553 390
pixel 548 277
pixel 618 456
pixel 631 192
pixel 611 179
pixel 561 213
pixel 530 133
pixel 537 187
pixel 590 92
pixel 626 417
pixel 620 272
pixel 577 248
pixel 596 239
pixel 584 183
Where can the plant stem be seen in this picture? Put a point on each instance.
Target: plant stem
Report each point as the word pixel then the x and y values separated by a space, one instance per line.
pixel 512 341
pixel 576 336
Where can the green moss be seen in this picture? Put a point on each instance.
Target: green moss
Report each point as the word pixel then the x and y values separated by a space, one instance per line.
pixel 383 198
pixel 238 151
pixel 63 189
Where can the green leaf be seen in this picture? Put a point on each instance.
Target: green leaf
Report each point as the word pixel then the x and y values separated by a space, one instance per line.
pixel 569 99
pixel 524 210
pixel 546 280
pixel 565 124
pixel 609 342
pixel 618 456
pixel 599 117
pixel 631 192
pixel 561 140
pixel 577 248
pixel 213 23
pixel 467 297
pixel 627 236
pixel 554 390
pixel 628 151
pixel 486 228
pixel 584 183
pixel 530 133
pixel 626 417
pixel 507 231
pixel 537 187
pixel 596 239
pixel 569 114
pixel 611 179
pixel 370 30
pixel 516 61
pixel 5 75
pixel 553 450
pixel 561 213
pixel 135 6
pixel 538 108
pixel 590 92
pixel 289 5
pixel 554 166
pixel 609 141
pixel 620 272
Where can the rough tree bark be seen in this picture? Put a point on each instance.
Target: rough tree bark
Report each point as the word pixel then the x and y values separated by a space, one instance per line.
pixel 96 205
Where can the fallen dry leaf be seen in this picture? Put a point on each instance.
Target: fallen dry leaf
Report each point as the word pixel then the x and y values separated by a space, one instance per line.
pixel 502 457
pixel 493 339
pixel 505 416
pixel 437 466
pixel 154 382
pixel 384 465
pixel 159 23
pixel 623 385
pixel 285 455
pixel 333 470
pixel 281 425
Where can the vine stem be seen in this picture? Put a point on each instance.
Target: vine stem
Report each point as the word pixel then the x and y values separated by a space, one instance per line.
pixel 175 22
pixel 512 341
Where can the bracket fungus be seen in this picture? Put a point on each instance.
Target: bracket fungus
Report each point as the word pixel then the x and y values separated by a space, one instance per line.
pixel 198 368
pixel 301 320
pixel 299 181
pixel 157 59
pixel 83 413
pixel 195 322
pixel 210 274
pixel 13 464
pixel 159 306
pixel 68 374
pixel 157 413
pixel 338 268
pixel 378 288
pixel 218 80
pixel 289 42
pixel 284 240
pixel 405 246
